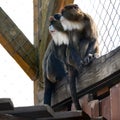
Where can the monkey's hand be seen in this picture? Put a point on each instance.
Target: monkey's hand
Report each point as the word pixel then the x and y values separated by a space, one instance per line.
pixel 88 59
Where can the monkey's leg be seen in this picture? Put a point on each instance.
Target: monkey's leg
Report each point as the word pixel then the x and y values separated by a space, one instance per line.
pixel 72 75
pixel 48 92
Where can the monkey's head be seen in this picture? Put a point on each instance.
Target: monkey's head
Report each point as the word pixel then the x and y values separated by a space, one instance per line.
pixel 72 17
pixel 57 31
pixel 72 12
pixel 55 24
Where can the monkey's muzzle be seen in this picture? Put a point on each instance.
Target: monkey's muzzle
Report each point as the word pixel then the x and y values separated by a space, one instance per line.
pixel 51 29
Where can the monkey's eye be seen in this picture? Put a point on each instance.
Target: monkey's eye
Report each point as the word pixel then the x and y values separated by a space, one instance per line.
pixel 76 7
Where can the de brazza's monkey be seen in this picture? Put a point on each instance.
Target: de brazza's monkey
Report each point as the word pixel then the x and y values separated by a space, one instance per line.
pixel 83 43
pixel 54 62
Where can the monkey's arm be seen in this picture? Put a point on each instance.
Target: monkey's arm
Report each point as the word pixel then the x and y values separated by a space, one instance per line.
pixel 47 53
pixel 92 52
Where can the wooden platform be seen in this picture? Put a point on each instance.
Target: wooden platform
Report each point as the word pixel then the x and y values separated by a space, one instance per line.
pixel 42 112
pixel 6 104
pixel 103 72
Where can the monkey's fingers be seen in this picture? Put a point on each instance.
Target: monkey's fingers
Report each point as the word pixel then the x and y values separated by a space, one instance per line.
pixel 88 59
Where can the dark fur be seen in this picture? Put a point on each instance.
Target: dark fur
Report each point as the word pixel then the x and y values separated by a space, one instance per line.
pixel 83 49
pixel 53 63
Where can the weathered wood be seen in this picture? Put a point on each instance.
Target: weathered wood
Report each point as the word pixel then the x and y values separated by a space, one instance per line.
pixel 31 112
pixel 104 71
pixel 68 115
pixel 105 107
pixel 115 102
pixel 10 117
pixel 71 115
pixel 17 45
pixel 6 104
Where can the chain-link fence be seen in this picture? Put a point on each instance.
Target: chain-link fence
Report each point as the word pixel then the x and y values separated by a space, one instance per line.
pixel 106 14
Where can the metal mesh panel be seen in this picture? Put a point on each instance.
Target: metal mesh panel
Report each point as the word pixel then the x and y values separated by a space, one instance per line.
pixel 106 14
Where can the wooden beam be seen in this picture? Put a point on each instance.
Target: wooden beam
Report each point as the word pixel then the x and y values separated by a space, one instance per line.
pixel 68 115
pixel 10 117
pixel 104 71
pixel 31 112
pixel 17 45
pixel 24 65
pixel 6 104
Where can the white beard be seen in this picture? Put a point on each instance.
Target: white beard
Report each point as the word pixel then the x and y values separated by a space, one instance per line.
pixel 69 25
pixel 58 37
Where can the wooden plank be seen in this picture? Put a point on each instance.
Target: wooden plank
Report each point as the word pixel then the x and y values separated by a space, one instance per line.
pixel 102 91
pixel 6 104
pixel 10 117
pixel 99 118
pixel 90 107
pixel 31 111
pixel 68 115
pixel 115 102
pixel 17 45
pixel 104 71
pixel 105 108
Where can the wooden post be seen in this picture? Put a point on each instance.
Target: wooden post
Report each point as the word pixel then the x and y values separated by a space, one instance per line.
pixel 43 9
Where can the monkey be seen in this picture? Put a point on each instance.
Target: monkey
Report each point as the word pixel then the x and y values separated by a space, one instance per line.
pixel 83 44
pixel 54 65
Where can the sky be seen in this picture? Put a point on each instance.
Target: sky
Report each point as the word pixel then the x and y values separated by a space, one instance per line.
pixel 14 83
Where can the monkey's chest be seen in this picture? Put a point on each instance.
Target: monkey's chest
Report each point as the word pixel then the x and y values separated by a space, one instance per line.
pixel 60 51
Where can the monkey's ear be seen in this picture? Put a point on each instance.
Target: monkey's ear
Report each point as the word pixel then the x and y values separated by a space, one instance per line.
pixel 76 6
pixel 51 18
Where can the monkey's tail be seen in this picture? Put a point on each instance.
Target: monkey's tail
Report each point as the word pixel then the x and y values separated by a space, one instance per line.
pixel 72 74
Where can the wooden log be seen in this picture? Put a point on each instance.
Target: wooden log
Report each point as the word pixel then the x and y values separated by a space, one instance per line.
pixel 104 71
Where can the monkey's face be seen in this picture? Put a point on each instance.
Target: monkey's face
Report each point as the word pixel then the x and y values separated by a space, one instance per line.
pixel 72 17
pixel 55 24
pixel 56 30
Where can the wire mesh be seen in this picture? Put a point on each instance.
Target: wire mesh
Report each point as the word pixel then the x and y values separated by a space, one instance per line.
pixel 106 14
